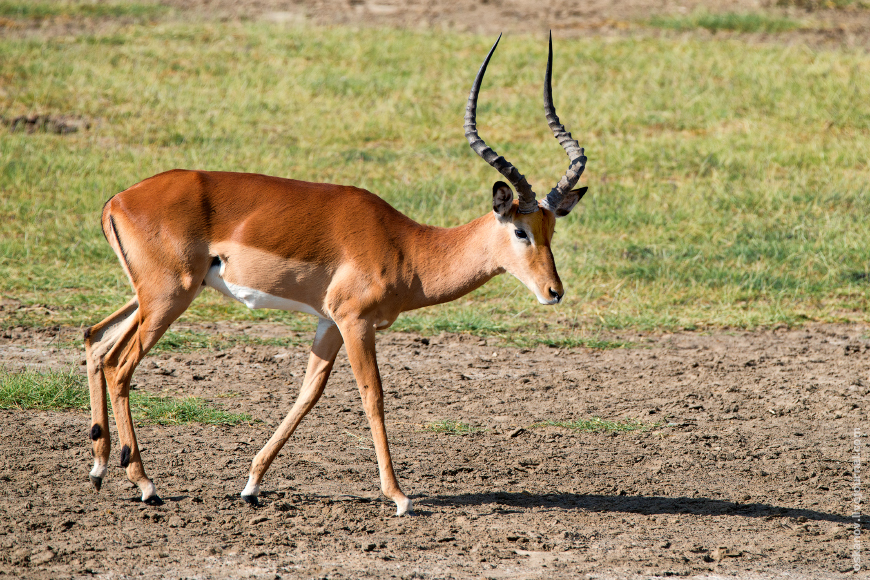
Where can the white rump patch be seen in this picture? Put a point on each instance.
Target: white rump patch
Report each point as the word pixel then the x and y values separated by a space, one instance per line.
pixel 251 297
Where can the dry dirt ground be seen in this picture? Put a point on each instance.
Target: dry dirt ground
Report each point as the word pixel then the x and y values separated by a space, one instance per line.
pixel 568 18
pixel 747 472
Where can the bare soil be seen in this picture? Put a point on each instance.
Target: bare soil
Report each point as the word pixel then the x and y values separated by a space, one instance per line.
pixel 822 26
pixel 747 469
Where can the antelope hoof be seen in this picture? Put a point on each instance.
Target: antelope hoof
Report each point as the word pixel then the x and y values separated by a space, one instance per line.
pixel 149 494
pixel 97 474
pixel 404 507
pixel 251 491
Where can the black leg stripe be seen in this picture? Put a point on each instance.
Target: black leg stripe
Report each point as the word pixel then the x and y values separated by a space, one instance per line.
pixel 125 456
pixel 95 433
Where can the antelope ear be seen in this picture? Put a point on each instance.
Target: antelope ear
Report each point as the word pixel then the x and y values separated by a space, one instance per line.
pixel 569 201
pixel 502 198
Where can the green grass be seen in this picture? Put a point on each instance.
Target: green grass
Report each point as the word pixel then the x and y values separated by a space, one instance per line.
pixel 43 390
pixel 152 409
pixel 52 390
pixel 480 322
pixel 36 9
pixel 451 427
pixel 728 181
pixel 730 21
pixel 190 341
pixel 596 424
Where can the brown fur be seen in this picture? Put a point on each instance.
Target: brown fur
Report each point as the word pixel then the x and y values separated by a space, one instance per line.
pixel 341 250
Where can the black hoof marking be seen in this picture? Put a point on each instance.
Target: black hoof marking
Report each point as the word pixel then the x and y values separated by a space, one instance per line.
pixel 95 433
pixel 125 456
pixel 97 481
pixel 153 500
pixel 251 500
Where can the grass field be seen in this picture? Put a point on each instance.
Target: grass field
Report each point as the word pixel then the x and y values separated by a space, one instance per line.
pixel 728 182
pixel 49 390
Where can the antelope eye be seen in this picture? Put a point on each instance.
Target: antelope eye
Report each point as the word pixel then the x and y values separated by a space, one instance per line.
pixel 521 234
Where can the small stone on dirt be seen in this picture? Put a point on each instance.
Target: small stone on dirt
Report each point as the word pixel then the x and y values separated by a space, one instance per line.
pixel 723 552
pixel 176 522
pixel 20 556
pixel 43 557
pixel 92 566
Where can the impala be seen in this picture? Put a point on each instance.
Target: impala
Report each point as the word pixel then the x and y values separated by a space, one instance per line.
pixel 337 252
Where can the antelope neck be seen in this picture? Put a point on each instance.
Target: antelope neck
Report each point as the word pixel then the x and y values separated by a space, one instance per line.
pixel 465 257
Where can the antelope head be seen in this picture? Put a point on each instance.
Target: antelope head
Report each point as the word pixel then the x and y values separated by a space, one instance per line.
pixel 526 225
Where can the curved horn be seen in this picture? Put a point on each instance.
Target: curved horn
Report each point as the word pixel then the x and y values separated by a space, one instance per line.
pixel 524 190
pixel 571 147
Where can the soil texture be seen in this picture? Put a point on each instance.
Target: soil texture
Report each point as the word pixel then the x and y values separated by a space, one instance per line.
pixel 746 467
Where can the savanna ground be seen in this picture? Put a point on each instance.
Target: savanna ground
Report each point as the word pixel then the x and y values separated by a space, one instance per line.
pixel 716 319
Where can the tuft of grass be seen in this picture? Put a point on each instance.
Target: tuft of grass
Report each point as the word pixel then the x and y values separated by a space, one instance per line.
pixel 730 21
pixel 51 390
pixel 600 425
pixel 39 10
pixel 152 409
pixel 451 427
pixel 43 390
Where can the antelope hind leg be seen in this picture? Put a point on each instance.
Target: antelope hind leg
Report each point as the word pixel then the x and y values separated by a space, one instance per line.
pixel 99 339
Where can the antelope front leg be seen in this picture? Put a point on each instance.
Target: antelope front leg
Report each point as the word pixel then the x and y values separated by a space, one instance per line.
pixel 326 344
pixel 359 340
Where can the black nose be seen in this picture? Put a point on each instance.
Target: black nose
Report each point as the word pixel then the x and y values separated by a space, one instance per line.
pixel 556 295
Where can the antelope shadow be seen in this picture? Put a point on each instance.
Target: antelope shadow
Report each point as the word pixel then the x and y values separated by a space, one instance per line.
pixel 636 504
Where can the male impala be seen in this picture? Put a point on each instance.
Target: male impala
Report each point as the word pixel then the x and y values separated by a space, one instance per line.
pixel 338 252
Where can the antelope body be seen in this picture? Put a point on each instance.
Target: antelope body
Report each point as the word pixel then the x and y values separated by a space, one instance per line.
pixel 337 252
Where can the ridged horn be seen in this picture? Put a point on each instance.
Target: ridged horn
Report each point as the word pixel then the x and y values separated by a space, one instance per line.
pixel 571 147
pixel 524 190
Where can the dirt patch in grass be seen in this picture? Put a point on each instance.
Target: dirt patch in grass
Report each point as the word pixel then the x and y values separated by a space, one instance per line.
pixel 822 24
pixel 746 470
pixel 60 124
pixel 844 23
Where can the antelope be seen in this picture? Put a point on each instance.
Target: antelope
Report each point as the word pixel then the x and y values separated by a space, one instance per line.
pixel 338 252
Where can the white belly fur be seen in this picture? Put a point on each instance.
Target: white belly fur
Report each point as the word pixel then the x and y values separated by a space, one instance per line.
pixel 251 297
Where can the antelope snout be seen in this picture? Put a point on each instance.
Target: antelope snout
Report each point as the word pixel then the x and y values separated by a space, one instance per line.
pixel 550 294
pixel 556 295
